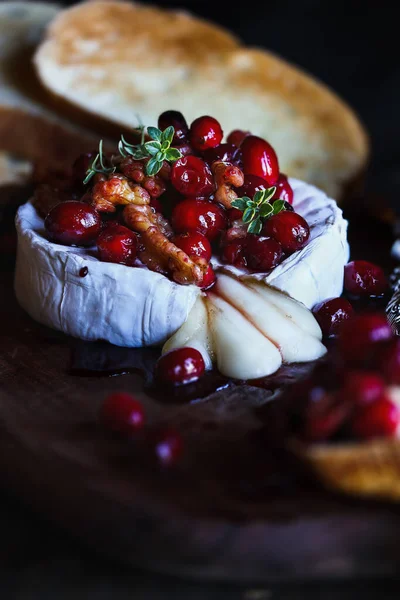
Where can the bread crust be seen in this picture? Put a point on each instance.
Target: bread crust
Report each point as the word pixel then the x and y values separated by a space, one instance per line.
pixel 369 469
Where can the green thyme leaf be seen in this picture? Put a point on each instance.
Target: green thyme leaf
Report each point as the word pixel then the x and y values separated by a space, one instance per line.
pixel 172 154
pixel 239 203
pixel 266 210
pixel 269 194
pixel 258 197
pixel 168 134
pixel 278 206
pixel 155 133
pixel 152 147
pixel 153 166
pixel 255 226
pixel 249 215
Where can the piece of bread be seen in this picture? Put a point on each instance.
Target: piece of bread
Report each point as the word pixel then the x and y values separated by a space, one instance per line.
pixel 370 469
pixel 117 60
pixel 30 131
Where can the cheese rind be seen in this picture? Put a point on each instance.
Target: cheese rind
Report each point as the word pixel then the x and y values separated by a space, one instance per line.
pixel 123 305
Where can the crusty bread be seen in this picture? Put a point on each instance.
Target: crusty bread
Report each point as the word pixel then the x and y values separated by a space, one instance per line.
pixel 370 469
pixel 118 60
pixel 30 131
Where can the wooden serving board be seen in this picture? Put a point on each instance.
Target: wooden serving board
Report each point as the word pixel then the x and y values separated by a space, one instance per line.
pixel 230 510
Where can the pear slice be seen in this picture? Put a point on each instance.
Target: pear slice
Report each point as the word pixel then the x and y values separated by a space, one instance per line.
pixel 291 308
pixel 242 352
pixel 294 343
pixel 194 333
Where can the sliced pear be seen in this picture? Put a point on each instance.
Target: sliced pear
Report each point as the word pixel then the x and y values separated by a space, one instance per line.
pixel 294 343
pixel 194 333
pixel 242 352
pixel 291 308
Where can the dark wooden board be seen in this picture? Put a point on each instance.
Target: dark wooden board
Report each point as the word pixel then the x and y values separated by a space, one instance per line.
pixel 229 511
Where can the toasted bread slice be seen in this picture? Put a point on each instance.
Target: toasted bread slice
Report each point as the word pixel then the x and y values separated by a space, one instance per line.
pixel 370 469
pixel 117 60
pixel 29 129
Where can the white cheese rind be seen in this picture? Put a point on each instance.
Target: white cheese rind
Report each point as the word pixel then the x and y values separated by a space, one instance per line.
pixel 314 273
pixel 123 305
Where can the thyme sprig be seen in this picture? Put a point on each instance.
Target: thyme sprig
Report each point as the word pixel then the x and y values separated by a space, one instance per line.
pixel 98 166
pixel 158 148
pixel 257 210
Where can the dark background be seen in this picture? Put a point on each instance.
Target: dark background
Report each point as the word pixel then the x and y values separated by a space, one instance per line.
pixel 353 46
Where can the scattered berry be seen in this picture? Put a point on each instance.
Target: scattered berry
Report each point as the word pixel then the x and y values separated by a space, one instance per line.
pixel 168 447
pixel 205 132
pixel 179 366
pixel 362 387
pixel 359 335
pixel 73 224
pixel 331 315
pixel 362 278
pixel 379 419
pixel 122 413
pixel 194 244
pixel 117 244
pixel 262 253
pixel 178 122
pixel 325 414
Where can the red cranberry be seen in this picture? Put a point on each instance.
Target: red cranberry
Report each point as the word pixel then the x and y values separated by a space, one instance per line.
pixel 209 278
pixel 117 244
pixel 359 334
pixel 237 136
pixel 233 253
pixel 283 189
pixel 331 314
pixel 168 446
pixel 388 360
pixel 120 412
pixel 289 229
pixel 205 132
pixel 182 365
pixel 224 152
pixel 259 158
pixel 195 244
pixel 198 215
pixel 178 122
pixel 251 185
pixel 379 419
pixel 362 387
pixel 325 413
pixel 156 204
pixel 185 149
pixel 73 224
pixel 191 176
pixel 262 253
pixel 234 214
pixel 363 278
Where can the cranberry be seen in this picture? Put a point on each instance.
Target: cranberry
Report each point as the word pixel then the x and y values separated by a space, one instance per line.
pixel 191 176
pixel 156 204
pixel 259 158
pixel 122 413
pixel 233 253
pixel 83 272
pixel 325 413
pixel 363 278
pixel 205 132
pixel 117 244
pixel 209 278
pixel 379 419
pixel 359 334
pixel 73 224
pixel 251 185
pixel 289 229
pixel 262 253
pixel 198 215
pixel 168 446
pixel 388 361
pixel 224 152
pixel 80 167
pixel 234 214
pixel 362 387
pixel 182 365
pixel 331 314
pixel 194 244
pixel 283 189
pixel 178 122
pixel 185 149
pixel 237 136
